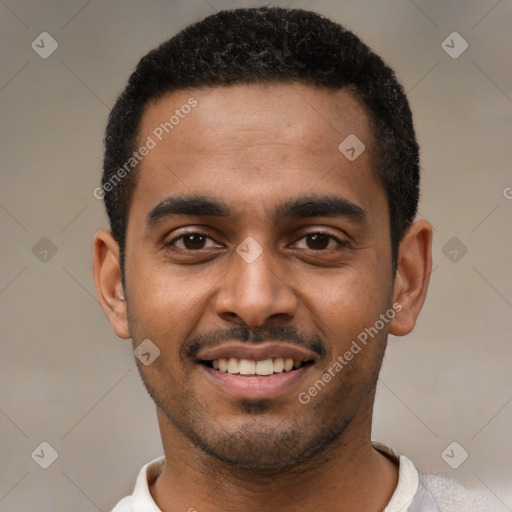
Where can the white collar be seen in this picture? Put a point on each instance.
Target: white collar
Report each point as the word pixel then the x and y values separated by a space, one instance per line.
pixel 408 480
pixel 142 501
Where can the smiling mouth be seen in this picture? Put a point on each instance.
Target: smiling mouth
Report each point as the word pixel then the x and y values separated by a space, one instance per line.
pixel 251 368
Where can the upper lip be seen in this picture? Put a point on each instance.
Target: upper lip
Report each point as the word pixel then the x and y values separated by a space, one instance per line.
pixel 256 352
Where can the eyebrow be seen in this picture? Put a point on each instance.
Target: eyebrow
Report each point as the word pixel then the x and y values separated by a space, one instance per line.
pixel 299 207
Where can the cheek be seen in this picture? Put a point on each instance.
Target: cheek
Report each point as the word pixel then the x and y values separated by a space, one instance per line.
pixel 166 301
pixel 347 302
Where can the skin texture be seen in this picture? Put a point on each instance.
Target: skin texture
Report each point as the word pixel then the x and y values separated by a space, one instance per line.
pixel 253 147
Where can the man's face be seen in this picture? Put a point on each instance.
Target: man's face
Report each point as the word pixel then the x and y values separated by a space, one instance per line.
pixel 259 266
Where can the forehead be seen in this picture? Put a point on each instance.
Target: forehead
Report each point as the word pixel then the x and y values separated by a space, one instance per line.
pixel 272 113
pixel 254 143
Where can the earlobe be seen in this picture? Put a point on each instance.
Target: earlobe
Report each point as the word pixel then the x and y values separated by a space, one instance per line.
pixel 109 286
pixel 412 276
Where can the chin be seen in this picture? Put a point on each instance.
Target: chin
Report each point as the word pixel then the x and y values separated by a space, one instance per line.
pixel 265 445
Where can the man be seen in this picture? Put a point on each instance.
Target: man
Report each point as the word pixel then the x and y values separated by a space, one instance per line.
pixel 261 178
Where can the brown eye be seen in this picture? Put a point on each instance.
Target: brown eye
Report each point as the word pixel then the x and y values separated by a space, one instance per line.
pixel 193 241
pixel 318 241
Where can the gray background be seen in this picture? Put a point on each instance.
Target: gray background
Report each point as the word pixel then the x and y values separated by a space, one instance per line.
pixel 66 378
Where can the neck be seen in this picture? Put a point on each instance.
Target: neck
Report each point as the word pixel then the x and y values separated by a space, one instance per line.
pixel 348 475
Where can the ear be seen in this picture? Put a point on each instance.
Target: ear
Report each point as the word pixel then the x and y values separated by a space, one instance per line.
pixel 109 286
pixel 412 276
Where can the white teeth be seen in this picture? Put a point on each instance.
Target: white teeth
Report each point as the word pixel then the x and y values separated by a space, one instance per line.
pixel 232 365
pixel 288 364
pixel 248 367
pixel 265 367
pixel 278 365
pixel 223 364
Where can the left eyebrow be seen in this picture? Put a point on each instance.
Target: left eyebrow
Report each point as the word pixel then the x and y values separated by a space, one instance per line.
pixel 319 206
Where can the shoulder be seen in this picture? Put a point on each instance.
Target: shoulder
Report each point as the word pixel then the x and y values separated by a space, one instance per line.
pixel 423 491
pixel 125 505
pixel 141 499
pixel 451 495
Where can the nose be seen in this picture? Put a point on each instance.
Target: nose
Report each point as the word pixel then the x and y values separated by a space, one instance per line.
pixel 254 291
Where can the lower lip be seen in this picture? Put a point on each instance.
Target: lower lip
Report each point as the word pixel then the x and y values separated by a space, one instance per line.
pixel 256 387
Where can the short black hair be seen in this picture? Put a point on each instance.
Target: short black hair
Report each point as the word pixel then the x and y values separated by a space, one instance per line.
pixel 265 45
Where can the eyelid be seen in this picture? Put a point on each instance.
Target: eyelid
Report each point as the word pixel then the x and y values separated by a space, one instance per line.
pixel 190 231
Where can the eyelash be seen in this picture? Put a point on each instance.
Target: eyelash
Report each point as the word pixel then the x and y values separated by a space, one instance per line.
pixel 206 234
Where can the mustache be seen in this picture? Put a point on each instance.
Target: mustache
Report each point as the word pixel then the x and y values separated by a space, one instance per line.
pixel 244 334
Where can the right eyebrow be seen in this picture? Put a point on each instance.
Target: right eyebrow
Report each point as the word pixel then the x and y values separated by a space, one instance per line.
pixel 186 205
